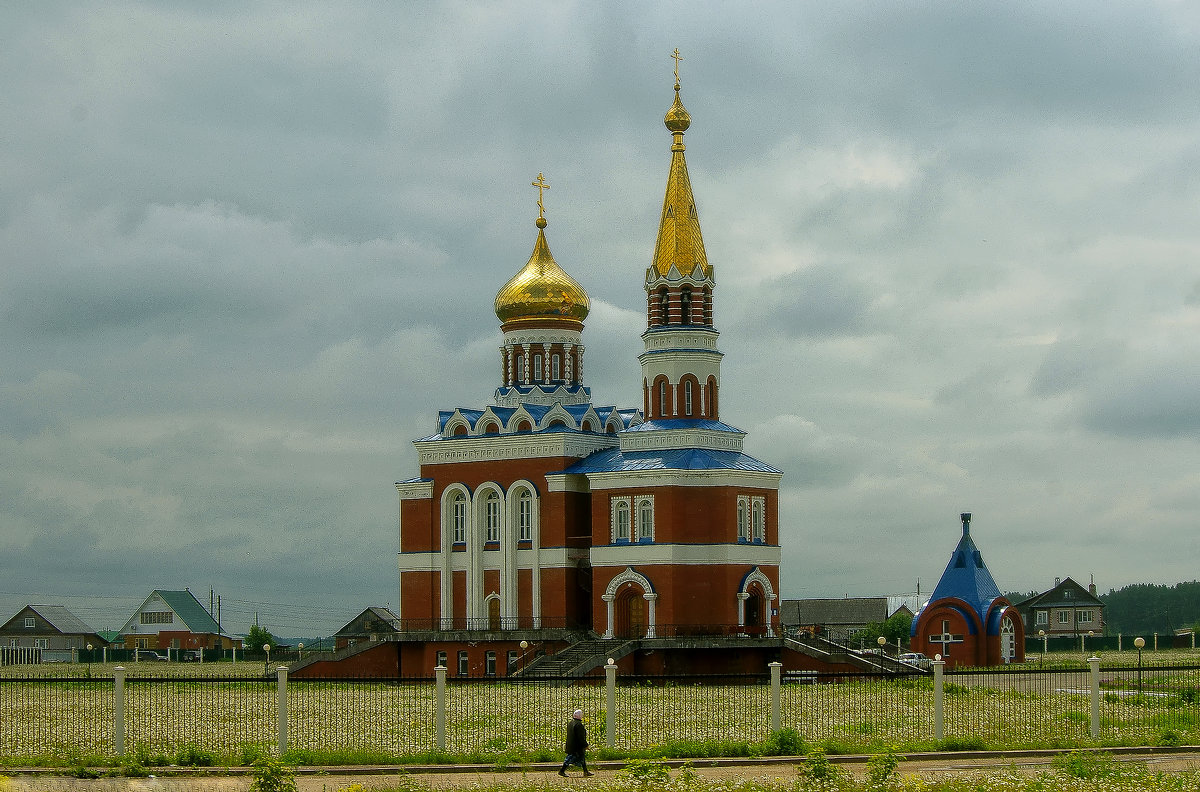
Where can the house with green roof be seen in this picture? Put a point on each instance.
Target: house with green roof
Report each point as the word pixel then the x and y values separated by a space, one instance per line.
pixel 176 623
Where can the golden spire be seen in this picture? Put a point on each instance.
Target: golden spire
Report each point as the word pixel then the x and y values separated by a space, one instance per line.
pixel 542 290
pixel 680 245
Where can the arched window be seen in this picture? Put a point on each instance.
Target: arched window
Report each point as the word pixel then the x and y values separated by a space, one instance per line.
pixel 685 306
pixel 756 520
pixel 525 516
pixel 556 367
pixel 664 307
pixel 521 368
pixel 687 398
pixel 458 518
pixel 621 520
pixel 662 398
pixel 492 516
pixel 645 526
pixel 491 428
pixel 524 426
pixel 743 520
pixel 537 368
pixel 460 430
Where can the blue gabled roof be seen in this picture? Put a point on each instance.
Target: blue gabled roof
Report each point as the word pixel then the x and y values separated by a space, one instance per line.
pixel 685 423
pixel 613 460
pixel 967 577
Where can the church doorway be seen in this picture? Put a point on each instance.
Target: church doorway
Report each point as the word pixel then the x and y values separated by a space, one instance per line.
pixel 493 613
pixel 631 614
pixel 753 612
pixel 1008 640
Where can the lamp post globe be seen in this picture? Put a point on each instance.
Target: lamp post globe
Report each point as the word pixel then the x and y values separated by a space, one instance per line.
pixel 1139 642
pixel 300 647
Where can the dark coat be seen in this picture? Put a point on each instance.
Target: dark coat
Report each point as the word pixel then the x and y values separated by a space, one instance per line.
pixel 576 737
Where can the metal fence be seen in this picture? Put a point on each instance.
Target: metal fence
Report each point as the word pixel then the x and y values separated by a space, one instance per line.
pixel 1013 707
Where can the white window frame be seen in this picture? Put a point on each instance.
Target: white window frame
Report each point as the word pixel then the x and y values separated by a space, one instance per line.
pixel 30 622
pixel 556 367
pixel 464 663
pixel 1042 617
pixel 687 398
pixel 440 659
pixel 537 368
pixel 758 519
pixel 621 522
pixel 489 663
pixel 491 506
pixel 525 516
pixel 41 643
pixel 644 529
pixel 1064 617
pixel 458 517
pixel 1085 616
pixel 743 518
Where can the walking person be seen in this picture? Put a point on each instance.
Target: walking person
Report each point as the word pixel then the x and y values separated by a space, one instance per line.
pixel 576 745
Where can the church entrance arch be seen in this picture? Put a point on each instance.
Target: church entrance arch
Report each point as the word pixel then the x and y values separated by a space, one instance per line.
pixel 630 598
pixel 755 598
pixel 753 610
pixel 493 613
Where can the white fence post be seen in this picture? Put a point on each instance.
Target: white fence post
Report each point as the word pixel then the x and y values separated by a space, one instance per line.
pixel 939 726
pixel 776 671
pixel 281 704
pixel 1094 673
pixel 119 710
pixel 439 710
pixel 610 693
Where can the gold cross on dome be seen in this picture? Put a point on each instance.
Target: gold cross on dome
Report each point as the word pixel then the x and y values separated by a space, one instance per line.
pixel 542 187
pixel 677 58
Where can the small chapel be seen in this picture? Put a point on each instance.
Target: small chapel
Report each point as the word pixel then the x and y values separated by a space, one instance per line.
pixel 548 534
pixel 967 621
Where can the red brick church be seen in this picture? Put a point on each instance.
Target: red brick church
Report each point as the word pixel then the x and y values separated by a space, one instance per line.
pixel 546 533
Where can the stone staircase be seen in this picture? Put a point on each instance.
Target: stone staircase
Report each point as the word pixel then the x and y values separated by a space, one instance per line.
pixel 578 659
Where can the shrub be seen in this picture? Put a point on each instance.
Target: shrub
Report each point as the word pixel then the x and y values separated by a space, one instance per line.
pixel 816 766
pixel 271 775
pixel 785 742
pixel 1084 764
pixel 646 772
pixel 193 756
pixel 882 769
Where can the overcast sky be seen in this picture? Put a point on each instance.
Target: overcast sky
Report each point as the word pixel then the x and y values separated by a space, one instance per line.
pixel 247 253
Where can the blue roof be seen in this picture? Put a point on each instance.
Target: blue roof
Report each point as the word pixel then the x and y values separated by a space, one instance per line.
pixel 966 577
pixel 685 423
pixel 613 460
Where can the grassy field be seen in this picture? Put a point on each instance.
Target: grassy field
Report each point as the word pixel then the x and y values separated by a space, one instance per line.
pixel 226 714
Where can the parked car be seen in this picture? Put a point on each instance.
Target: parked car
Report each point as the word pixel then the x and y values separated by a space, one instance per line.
pixel 146 654
pixel 916 660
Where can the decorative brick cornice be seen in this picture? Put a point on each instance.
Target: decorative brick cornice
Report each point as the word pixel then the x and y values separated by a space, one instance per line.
pixel 503 447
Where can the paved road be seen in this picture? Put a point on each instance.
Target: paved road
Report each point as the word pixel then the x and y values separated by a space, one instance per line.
pixel 335 779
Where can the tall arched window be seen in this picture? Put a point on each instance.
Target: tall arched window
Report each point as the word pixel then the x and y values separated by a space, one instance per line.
pixel 492 516
pixel 743 520
pixel 537 369
pixel 621 520
pixel 756 520
pixel 555 367
pixel 664 307
pixel 525 516
pixel 458 517
pixel 521 368
pixel 685 306
pixel 687 398
pixel 645 526
pixel 662 398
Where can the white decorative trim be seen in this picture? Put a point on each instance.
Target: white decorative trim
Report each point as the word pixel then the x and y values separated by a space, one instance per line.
pixel 660 439
pixel 697 337
pixel 415 490
pixel 482 449
pixel 638 529
pixel 614 510
pixel 757 576
pixel 654 553
pixel 624 479
pixel 563 482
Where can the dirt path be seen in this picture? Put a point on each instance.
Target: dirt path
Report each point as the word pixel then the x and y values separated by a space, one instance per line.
pixel 334 779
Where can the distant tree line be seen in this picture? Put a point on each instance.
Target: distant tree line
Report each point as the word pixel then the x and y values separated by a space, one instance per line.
pixel 1145 608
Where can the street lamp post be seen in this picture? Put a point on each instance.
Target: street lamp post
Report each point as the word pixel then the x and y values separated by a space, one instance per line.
pixel 267 661
pixel 521 660
pixel 1139 642
pixel 882 641
pixel 89 667
pixel 1083 641
pixel 1042 635
pixel 300 646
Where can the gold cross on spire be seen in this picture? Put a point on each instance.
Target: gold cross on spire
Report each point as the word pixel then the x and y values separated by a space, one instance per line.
pixel 542 187
pixel 677 58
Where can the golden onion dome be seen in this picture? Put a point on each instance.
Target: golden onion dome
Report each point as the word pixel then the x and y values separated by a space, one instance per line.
pixel 677 118
pixel 542 290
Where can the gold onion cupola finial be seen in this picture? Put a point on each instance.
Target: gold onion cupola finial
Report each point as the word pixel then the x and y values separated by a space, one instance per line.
pixel 679 249
pixel 542 291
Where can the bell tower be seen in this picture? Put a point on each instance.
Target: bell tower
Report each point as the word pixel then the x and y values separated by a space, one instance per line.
pixel 681 366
